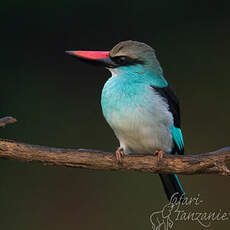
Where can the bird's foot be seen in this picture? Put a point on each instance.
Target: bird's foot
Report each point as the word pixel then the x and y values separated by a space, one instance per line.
pixel 119 154
pixel 159 154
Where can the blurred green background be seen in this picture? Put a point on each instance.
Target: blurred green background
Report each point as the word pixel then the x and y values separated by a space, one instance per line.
pixel 56 100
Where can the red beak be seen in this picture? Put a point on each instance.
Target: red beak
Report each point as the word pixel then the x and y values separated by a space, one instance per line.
pixel 95 57
pixel 90 55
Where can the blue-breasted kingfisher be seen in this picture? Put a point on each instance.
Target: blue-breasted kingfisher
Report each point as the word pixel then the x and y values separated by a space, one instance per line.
pixel 139 105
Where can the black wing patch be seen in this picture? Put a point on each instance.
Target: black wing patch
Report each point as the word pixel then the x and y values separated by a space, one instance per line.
pixel 168 94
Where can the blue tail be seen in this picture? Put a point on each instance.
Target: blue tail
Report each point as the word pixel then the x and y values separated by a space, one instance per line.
pixel 171 185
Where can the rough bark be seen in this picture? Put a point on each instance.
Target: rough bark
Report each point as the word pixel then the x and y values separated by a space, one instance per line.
pixel 212 162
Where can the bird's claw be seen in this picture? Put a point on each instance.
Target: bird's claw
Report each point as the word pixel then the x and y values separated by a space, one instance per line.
pixel 159 154
pixel 119 154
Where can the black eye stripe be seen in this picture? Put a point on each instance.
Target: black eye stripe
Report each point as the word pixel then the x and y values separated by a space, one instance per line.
pixel 124 60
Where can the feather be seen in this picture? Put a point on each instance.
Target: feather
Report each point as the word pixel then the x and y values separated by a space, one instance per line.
pixel 170 97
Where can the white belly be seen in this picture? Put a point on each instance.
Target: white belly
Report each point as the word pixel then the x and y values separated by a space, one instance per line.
pixel 140 135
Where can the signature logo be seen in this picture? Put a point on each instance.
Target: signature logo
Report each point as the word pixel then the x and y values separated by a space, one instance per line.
pixel 185 209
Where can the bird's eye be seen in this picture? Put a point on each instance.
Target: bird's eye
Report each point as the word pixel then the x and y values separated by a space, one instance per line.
pixel 122 60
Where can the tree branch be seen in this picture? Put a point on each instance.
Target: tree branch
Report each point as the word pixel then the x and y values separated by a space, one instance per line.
pixel 209 163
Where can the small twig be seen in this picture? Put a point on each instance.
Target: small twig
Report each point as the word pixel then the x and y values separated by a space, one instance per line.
pixel 7 120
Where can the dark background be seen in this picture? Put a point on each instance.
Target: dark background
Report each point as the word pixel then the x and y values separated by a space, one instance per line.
pixel 56 100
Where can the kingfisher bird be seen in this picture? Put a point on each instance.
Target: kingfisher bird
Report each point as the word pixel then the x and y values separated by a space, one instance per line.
pixel 139 105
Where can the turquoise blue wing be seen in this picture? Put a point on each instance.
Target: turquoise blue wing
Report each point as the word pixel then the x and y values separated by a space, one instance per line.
pixel 178 139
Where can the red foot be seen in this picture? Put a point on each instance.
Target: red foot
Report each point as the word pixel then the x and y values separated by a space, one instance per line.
pixel 119 154
pixel 159 154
